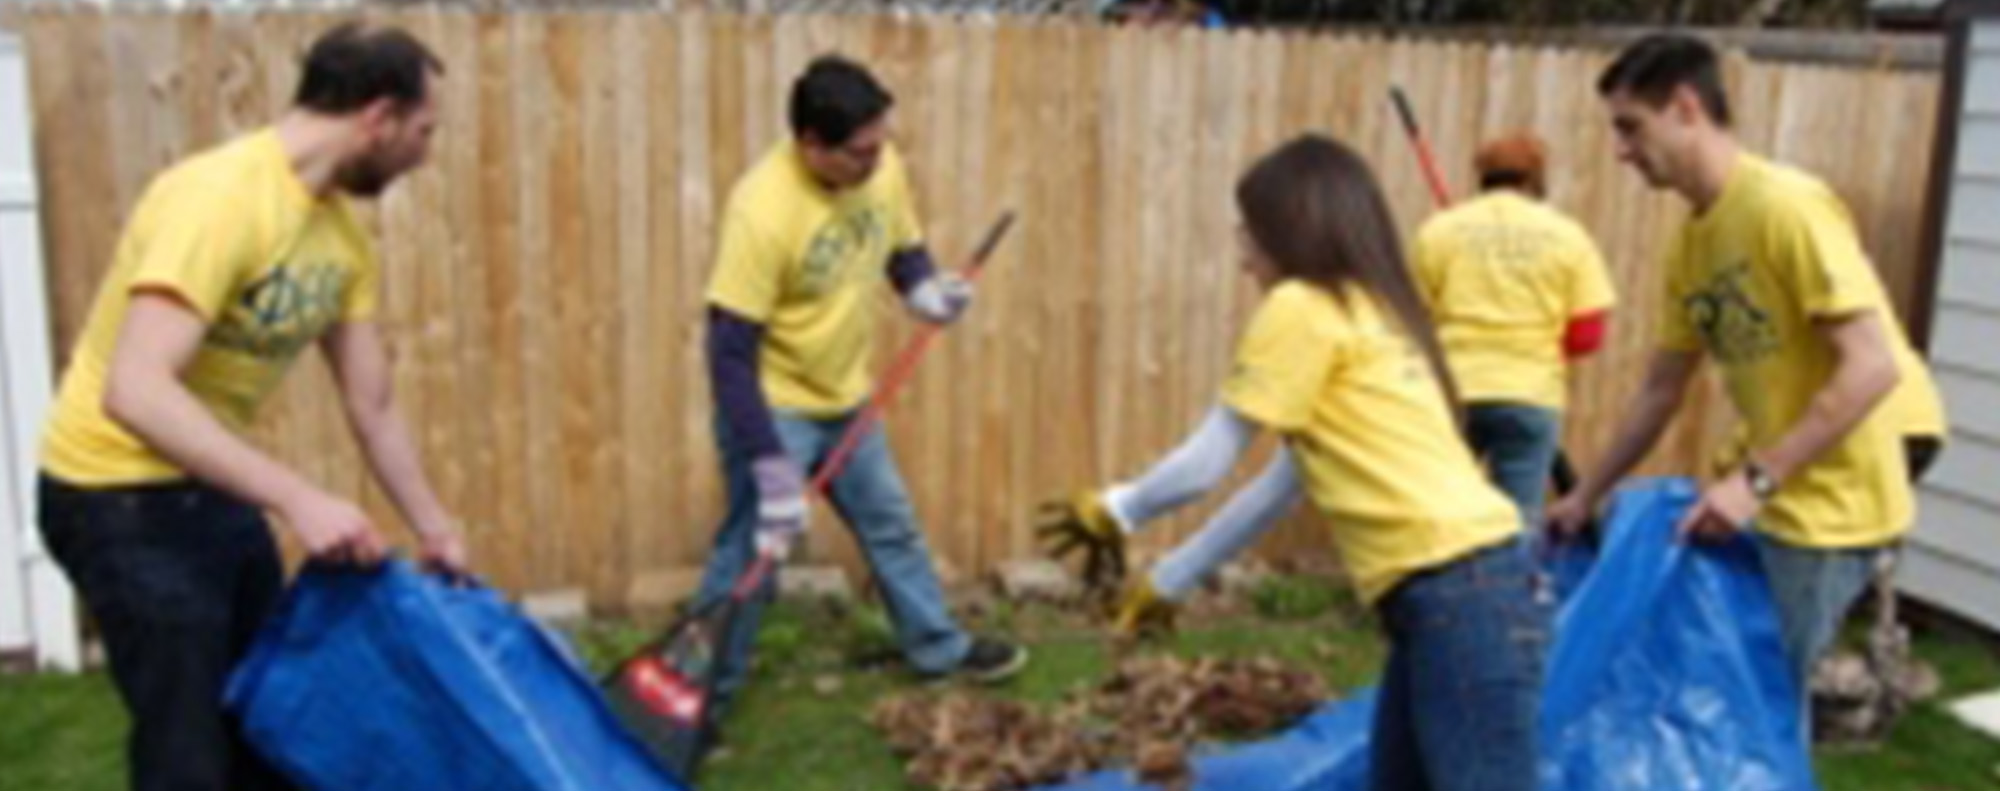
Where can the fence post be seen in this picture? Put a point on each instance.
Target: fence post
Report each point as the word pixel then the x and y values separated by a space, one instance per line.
pixel 36 588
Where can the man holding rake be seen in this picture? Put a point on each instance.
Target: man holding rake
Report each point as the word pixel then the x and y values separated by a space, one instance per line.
pixel 806 236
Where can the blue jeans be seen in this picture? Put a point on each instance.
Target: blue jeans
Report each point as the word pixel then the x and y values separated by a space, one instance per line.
pixel 1813 590
pixel 1519 443
pixel 871 499
pixel 1461 698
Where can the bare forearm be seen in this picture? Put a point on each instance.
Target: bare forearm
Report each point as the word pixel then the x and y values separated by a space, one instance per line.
pixel 1855 390
pixel 1647 418
pixel 161 412
pixel 392 455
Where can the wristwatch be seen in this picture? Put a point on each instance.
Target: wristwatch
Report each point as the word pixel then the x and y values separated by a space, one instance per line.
pixel 1760 480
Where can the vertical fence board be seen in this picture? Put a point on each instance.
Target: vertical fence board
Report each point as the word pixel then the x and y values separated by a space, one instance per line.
pixel 544 275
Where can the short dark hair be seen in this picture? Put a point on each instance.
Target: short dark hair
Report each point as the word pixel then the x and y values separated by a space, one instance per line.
pixel 353 65
pixel 835 98
pixel 1509 179
pixel 1654 66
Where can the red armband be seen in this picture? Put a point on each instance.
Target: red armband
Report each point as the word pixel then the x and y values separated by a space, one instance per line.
pixel 1584 335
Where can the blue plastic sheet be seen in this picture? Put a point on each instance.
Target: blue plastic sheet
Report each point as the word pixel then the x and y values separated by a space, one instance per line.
pixel 396 680
pixel 1665 674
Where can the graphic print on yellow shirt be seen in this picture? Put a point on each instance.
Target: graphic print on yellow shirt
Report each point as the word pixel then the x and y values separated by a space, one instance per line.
pixel 1376 441
pixel 232 234
pixel 1503 275
pixel 1746 282
pixel 806 263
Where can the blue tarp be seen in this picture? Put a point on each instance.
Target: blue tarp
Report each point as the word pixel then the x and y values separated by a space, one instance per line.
pixel 1665 674
pixel 398 681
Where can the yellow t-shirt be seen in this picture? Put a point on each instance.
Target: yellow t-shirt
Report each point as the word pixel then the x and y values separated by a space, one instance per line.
pixel 804 262
pixel 1503 275
pixel 1374 436
pixel 1915 407
pixel 1745 282
pixel 234 234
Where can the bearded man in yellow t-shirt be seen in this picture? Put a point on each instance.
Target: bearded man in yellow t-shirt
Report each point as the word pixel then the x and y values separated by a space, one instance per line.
pixel 231 264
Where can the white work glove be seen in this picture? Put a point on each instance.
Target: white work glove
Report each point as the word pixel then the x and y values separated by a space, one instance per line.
pixel 941 299
pixel 781 505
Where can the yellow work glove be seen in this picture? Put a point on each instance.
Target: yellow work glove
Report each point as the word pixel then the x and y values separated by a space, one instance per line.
pixel 1083 523
pixel 1142 611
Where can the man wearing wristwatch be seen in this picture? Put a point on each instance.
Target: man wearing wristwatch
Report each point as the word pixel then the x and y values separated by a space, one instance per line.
pixel 1767 277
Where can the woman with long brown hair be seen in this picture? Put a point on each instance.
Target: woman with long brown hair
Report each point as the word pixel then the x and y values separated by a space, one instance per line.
pixel 1341 360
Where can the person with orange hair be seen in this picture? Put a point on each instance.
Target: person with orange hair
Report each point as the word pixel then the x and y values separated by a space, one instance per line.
pixel 1519 293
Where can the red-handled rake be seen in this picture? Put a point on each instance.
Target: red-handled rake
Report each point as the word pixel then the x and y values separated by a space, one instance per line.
pixel 663 691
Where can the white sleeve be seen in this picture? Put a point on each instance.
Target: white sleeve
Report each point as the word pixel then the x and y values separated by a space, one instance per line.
pixel 1190 471
pixel 1250 513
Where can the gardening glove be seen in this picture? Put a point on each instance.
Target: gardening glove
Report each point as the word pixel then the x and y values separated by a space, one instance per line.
pixel 1083 522
pixel 781 504
pixel 1143 610
pixel 941 299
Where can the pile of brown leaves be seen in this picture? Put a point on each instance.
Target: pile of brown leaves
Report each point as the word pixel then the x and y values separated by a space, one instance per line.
pixel 1145 716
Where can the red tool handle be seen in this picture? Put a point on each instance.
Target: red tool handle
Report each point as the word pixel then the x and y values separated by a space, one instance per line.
pixel 899 371
pixel 1435 177
pixel 885 392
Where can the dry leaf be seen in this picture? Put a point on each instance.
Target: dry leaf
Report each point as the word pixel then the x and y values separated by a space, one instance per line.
pixel 1146 713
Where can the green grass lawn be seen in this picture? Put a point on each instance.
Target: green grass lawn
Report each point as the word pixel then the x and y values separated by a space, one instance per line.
pixel 1929 750
pixel 792 730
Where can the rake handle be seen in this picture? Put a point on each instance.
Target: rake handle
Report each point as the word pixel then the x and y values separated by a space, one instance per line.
pixel 900 370
pixel 1433 176
pixel 898 374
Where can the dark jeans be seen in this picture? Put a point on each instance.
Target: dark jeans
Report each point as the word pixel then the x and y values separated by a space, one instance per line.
pixel 1518 443
pixel 179 577
pixel 1461 698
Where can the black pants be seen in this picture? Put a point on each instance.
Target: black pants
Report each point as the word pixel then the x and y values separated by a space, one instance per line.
pixel 179 577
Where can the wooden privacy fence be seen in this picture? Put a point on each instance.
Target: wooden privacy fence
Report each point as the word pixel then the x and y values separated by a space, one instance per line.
pixel 544 273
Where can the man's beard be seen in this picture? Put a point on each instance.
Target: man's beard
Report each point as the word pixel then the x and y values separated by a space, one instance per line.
pixel 366 177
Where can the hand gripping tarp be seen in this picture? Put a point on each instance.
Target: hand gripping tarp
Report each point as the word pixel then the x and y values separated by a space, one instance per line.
pixel 1666 674
pixel 398 681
